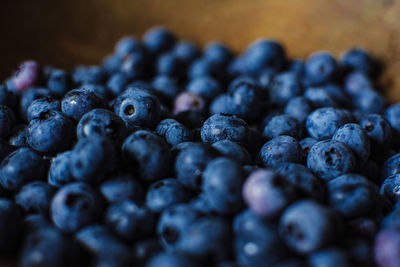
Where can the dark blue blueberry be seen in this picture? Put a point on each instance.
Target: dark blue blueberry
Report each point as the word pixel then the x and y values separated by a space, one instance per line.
pixel 256 241
pixel 51 132
pixel 171 260
pixel 5 149
pixel 307 226
pixel 74 206
pixel 186 51
pixel 265 79
pixel 37 245
pixel 147 154
pixel 302 179
pixel 319 97
pixel 356 82
pixel 378 130
pixel 145 249
pixel 392 114
pixel 28 96
pixel 126 45
pixel 282 125
pixel 352 195
pixel 222 104
pixel 263 54
pixel 117 83
pixel 166 88
pixel 112 63
pixel 284 87
pixel 129 221
pixel 218 53
pixel 35 197
pixel 306 144
pixel 137 107
pixel 337 94
pixel 330 257
pixel 60 172
pixel 242 80
pixel 390 188
pixel 7 121
pixel 174 132
pixel 222 184
pixel 266 193
pixel 101 122
pixel 58 82
pixel 233 151
pixel 191 162
pixel 323 122
pixel 204 67
pixel 165 193
pixel 205 86
pixel 357 59
pixel 281 149
pixel 136 65
pixel 77 102
pixel 92 158
pixel 42 105
pixel 159 39
pixel 206 238
pixel 223 126
pixel 355 137
pixel 88 74
pixel 122 187
pixel 369 101
pixel 202 204
pixel 20 167
pixel 35 221
pixel 320 68
pixel 8 97
pixel 169 65
pixel 296 65
pixel 391 166
pixel 10 226
pixel 299 108
pixel 173 222
pixel 330 158
pixel 99 90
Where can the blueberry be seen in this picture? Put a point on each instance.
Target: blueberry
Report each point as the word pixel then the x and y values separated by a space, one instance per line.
pixel 302 179
pixel 282 125
pixel 222 104
pixel 391 166
pixel 147 154
pixel 386 247
pixel 222 183
pixel 29 74
pixel 323 122
pixel 206 87
pixel 77 102
pixel 146 249
pixel 5 149
pixel 165 193
pixel 299 108
pixel 60 169
pixel 356 82
pixel 117 83
pixel 306 144
pixel 256 241
pixel 204 67
pixel 378 130
pixel 35 197
pixel 74 206
pixel 233 151
pixel 263 54
pixel 330 158
pixel 136 66
pixel 20 167
pixel 320 68
pixel 186 51
pixel 225 127
pixel 188 102
pixel 266 193
pixel 279 150
pixel 127 45
pixel 319 97
pixel 171 260
pixel 58 82
pixel 392 115
pixel 166 88
pixel 101 122
pixel 307 226
pixel 112 63
pixel 122 187
pixel 129 221
pixel 88 74
pixel 174 132
pixel 284 87
pixel 357 59
pixel 390 187
pixel 191 162
pixel 10 226
pixel 41 105
pixel 352 195
pixel 355 137
pixel 35 222
pixel 92 158
pixel 370 101
pixel 296 65
pixel 36 247
pixel 137 107
pixel 173 223
pixel 28 96
pixel 329 257
pixel 218 53
pixel 169 65
pixel 158 40
pixel 51 132
pixel 202 204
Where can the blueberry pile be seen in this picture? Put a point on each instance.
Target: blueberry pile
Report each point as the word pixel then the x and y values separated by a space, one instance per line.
pixel 166 155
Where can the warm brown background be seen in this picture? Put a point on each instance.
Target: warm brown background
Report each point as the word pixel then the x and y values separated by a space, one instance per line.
pixel 68 32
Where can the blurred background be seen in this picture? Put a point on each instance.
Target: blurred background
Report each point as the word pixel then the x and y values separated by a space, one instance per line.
pixel 69 32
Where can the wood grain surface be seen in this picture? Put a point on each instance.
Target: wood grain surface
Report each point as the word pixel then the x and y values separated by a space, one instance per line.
pixel 68 32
